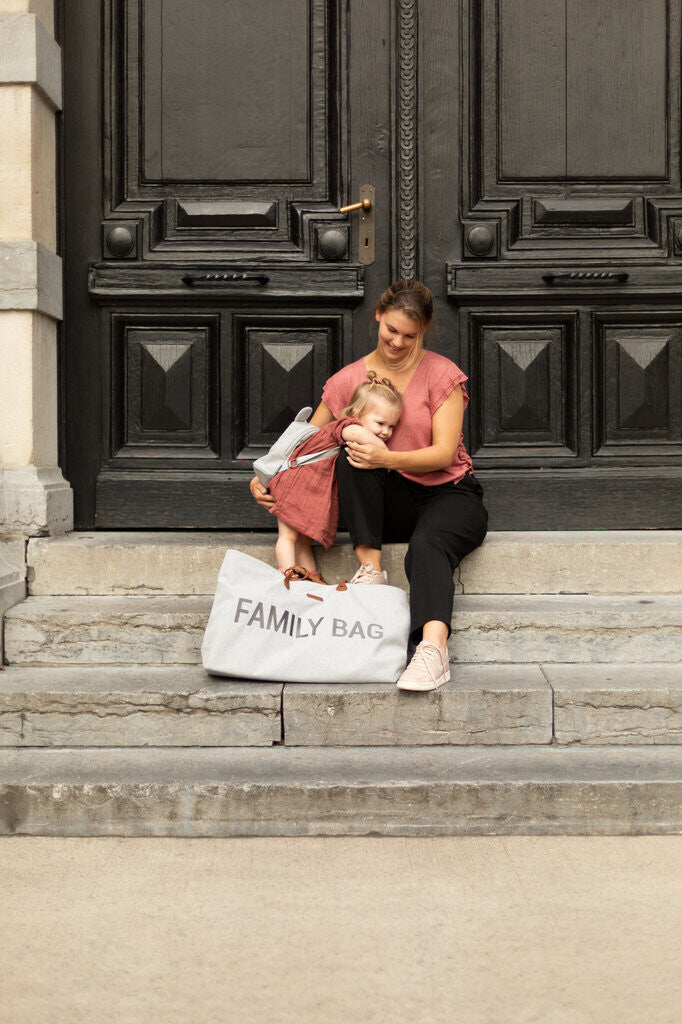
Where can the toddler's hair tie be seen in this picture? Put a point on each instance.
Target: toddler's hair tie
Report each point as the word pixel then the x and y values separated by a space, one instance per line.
pixel 383 381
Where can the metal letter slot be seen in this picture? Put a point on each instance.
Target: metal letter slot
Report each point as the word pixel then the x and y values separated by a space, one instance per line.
pixel 224 280
pixel 578 277
pixel 366 226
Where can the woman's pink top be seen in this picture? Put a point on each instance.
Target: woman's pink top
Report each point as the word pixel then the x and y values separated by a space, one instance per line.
pixel 434 379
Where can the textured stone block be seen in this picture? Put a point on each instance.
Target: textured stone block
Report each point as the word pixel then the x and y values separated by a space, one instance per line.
pixel 370 791
pixel 107 630
pixel 136 563
pixel 135 707
pixel 576 562
pixel 28 54
pixel 12 580
pixel 623 704
pixel 567 628
pixel 480 705
pixel 30 278
pixel 35 501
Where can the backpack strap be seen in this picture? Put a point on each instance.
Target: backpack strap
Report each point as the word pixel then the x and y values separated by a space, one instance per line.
pixel 304 460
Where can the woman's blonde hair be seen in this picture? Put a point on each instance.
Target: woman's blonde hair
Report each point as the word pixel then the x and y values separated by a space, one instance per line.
pixel 370 389
pixel 414 300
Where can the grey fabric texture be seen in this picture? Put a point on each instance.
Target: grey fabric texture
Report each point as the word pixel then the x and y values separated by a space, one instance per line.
pixel 308 633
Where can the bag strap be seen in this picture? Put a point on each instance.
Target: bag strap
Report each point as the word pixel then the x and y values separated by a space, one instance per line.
pixel 304 460
pixel 297 572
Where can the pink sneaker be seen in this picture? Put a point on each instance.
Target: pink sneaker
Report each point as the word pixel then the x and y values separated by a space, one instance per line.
pixel 368 574
pixel 429 668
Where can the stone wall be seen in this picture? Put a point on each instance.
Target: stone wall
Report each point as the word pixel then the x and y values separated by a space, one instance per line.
pixel 34 497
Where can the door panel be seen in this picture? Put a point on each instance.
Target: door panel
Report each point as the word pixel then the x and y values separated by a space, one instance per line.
pixel 195 125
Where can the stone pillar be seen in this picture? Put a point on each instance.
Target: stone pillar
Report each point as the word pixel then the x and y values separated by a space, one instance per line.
pixel 34 496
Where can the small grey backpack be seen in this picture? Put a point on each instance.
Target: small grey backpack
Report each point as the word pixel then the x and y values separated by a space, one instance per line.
pixel 279 456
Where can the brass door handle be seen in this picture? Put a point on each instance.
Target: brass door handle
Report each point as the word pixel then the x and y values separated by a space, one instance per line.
pixel 365 207
pixel 364 204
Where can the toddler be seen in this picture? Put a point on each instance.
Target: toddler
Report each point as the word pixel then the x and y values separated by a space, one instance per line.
pixel 306 499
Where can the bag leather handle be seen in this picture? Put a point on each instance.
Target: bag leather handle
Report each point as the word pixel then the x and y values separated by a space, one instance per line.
pixel 297 573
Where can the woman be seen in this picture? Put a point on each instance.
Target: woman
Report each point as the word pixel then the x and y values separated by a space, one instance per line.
pixel 421 489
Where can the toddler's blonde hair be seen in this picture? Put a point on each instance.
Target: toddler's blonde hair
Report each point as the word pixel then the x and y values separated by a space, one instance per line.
pixel 370 389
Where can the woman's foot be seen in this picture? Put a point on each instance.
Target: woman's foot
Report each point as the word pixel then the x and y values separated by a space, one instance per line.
pixel 428 669
pixel 368 574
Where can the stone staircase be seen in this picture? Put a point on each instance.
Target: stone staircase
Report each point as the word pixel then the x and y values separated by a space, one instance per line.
pixel 563 715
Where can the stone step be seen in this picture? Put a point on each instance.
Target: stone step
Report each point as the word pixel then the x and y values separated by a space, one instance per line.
pixel 294 791
pixel 482 704
pixel 567 628
pixel 133 706
pixel 489 629
pixel 12 578
pixel 495 704
pixel 592 562
pixel 136 706
pixel 616 704
pixel 102 706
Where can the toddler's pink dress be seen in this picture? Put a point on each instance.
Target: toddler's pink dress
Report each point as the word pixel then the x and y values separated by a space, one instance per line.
pixel 306 497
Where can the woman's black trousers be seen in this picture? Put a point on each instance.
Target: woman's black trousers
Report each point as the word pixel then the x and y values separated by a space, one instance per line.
pixel 442 523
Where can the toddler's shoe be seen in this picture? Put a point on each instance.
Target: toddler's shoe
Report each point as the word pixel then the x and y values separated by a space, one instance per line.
pixel 428 669
pixel 368 574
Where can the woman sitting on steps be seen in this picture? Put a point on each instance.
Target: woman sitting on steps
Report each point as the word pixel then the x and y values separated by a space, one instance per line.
pixel 421 488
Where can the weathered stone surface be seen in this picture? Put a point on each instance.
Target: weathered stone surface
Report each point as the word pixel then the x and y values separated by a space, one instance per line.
pixel 12 580
pixel 137 563
pixel 35 501
pixel 106 630
pixel 623 704
pixel 28 54
pixel 30 278
pixel 481 704
pixel 576 562
pixel 135 707
pixel 566 628
pixel 507 563
pixel 491 629
pixel 371 790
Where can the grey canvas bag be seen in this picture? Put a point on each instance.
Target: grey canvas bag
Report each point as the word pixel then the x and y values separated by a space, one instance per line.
pixel 265 626
pixel 279 456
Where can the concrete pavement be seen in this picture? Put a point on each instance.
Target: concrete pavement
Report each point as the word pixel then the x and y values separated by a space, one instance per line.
pixel 488 929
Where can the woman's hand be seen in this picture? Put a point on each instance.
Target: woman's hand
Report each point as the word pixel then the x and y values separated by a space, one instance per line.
pixel 261 494
pixel 368 456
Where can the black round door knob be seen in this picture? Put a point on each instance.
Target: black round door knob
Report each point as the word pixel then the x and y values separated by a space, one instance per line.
pixel 120 241
pixel 333 243
pixel 480 240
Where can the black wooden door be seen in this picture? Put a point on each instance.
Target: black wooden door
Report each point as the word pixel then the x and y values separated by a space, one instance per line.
pixel 525 156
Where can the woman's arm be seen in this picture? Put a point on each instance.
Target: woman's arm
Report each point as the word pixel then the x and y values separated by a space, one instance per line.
pixel 320 418
pixel 446 431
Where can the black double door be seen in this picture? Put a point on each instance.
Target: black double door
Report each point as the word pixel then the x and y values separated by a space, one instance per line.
pixel 524 157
